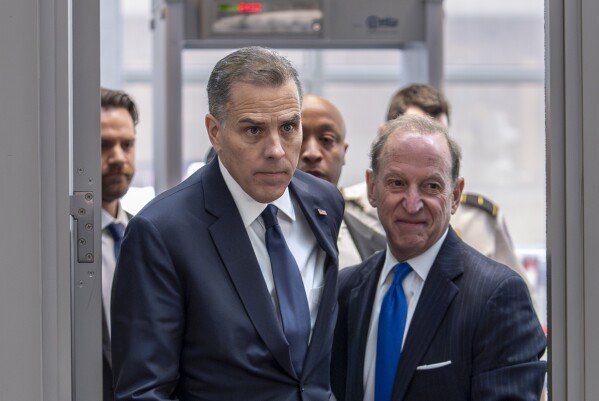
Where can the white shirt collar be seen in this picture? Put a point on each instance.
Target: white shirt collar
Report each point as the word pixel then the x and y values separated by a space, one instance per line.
pixel 421 264
pixel 121 217
pixel 248 207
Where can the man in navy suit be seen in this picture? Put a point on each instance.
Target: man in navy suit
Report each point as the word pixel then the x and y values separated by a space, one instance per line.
pixel 195 310
pixel 469 328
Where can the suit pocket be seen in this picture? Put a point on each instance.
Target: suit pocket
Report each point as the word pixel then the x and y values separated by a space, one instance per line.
pixel 436 381
pixel 431 366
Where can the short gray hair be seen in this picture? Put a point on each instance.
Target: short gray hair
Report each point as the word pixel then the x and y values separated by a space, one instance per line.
pixel 423 125
pixel 251 65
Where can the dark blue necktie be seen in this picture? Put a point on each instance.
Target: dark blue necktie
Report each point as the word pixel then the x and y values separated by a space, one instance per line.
pixel 293 305
pixel 116 230
pixel 392 322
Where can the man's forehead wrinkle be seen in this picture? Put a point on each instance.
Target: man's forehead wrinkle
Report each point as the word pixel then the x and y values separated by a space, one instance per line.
pixel 273 105
pixel 288 116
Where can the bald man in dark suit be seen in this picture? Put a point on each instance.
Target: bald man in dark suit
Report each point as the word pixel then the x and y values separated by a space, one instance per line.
pixel 430 318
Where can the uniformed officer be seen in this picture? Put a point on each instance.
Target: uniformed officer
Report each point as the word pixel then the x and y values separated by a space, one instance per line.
pixel 323 155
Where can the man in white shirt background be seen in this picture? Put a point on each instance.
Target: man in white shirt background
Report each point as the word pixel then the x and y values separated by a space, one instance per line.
pixel 118 118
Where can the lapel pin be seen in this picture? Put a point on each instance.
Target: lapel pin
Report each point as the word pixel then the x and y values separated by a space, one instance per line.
pixel 321 212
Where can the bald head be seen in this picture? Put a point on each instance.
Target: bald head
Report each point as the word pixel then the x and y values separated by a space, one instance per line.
pixel 323 146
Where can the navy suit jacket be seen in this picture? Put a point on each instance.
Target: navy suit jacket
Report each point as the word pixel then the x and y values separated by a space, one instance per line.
pixel 192 318
pixel 472 311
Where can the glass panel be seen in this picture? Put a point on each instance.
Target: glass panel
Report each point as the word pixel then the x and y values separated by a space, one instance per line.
pixel 501 129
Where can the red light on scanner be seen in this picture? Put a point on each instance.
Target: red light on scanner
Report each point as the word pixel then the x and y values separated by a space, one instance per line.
pixel 250 8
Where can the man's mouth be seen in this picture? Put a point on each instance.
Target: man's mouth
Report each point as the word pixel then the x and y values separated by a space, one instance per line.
pixel 316 173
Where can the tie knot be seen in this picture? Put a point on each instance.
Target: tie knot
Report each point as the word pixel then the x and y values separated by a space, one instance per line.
pixel 401 270
pixel 269 215
pixel 117 230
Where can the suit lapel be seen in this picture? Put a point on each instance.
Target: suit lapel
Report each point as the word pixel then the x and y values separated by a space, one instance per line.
pixel 366 236
pixel 231 240
pixel 438 293
pixel 318 219
pixel 360 304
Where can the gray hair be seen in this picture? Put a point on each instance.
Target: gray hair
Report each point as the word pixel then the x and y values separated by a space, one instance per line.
pixel 423 125
pixel 251 65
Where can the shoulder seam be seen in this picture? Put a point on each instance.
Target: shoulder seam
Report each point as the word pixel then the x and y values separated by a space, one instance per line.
pixel 479 202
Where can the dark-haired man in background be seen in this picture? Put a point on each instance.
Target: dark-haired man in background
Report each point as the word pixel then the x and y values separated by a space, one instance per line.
pixel 323 155
pixel 118 118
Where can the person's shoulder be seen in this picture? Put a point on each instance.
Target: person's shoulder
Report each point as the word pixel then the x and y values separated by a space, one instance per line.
pixel 313 181
pixel 356 200
pixel 174 198
pixel 480 203
pixel 355 192
pixel 353 276
pixel 317 187
pixel 485 268
pixel 319 193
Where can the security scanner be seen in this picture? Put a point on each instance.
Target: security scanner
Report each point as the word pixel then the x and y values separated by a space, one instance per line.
pixel 305 24
pixel 414 27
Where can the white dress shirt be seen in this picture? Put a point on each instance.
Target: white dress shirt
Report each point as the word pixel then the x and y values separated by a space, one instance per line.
pixel 412 287
pixel 309 256
pixel 108 258
pixel 348 252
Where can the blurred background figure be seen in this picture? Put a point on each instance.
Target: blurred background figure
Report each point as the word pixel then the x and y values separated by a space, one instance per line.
pixel 118 119
pixel 323 155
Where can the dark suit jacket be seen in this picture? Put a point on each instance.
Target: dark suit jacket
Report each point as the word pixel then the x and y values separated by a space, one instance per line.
pixel 365 230
pixel 107 387
pixel 472 311
pixel 191 314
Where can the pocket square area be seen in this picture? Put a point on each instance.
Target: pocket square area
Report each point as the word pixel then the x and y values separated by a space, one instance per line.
pixel 433 365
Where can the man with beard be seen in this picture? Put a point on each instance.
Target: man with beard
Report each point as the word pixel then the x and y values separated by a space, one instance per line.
pixel 118 119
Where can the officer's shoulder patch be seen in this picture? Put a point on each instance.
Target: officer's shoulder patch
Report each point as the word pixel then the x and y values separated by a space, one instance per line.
pixel 479 202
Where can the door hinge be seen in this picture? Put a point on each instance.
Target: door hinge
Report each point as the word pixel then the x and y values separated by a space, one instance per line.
pixel 82 210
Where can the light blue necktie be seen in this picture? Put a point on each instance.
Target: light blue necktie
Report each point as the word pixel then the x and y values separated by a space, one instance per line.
pixel 116 230
pixel 392 322
pixel 293 305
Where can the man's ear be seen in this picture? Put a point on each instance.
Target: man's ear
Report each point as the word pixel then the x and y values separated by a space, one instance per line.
pixel 370 181
pixel 456 195
pixel 345 152
pixel 213 129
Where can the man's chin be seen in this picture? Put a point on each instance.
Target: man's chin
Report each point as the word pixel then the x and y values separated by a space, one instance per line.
pixel 268 194
pixel 112 194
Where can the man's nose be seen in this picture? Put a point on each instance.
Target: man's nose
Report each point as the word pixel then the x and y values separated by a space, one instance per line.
pixel 310 150
pixel 274 145
pixel 413 200
pixel 117 155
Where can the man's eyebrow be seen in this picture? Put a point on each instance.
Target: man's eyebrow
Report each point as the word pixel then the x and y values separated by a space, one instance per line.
pixel 292 119
pixel 251 121
pixel 435 177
